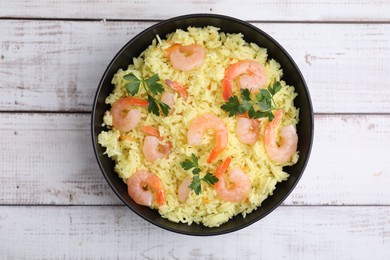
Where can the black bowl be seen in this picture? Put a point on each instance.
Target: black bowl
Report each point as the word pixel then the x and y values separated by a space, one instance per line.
pixel 292 76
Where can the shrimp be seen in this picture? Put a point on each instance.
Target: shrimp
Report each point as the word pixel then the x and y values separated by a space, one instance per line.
pixel 153 149
pixel 169 99
pixel 249 73
pixel 239 183
pixel 183 190
pixel 124 118
pixel 247 130
pixel 282 150
pixel 179 88
pixel 142 184
pixel 186 58
pixel 199 126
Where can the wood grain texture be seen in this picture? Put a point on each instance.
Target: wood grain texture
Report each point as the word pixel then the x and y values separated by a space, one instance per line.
pixel 57 65
pixel 48 159
pixel 268 10
pixel 115 232
pixel 55 203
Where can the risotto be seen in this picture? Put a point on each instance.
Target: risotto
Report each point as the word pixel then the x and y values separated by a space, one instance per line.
pixel 201 126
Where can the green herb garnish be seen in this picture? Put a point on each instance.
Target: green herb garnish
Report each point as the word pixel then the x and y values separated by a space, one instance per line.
pixel 152 87
pixel 195 185
pixel 261 106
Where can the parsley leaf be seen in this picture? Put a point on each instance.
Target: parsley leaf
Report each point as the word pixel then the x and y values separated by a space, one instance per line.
pixel 153 106
pixel 151 86
pixel 245 94
pixel 232 106
pixel 275 88
pixel 188 164
pixel 245 106
pixel 194 160
pixel 131 77
pixel 195 185
pixel 265 93
pixel 261 106
pixel 132 86
pixel 155 87
pixel 210 178
pixel 164 108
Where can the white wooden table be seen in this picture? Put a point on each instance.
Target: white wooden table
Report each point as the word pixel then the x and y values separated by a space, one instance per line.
pixel 55 203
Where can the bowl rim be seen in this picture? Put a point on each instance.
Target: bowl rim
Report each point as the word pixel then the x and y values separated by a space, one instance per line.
pixel 242 23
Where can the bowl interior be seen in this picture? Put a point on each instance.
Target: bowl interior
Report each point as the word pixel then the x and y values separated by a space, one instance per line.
pixel 292 76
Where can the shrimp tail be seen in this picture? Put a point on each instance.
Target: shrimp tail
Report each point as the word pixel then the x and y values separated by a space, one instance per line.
pixel 138 102
pixel 226 88
pixel 179 88
pixel 169 50
pixel 169 82
pixel 221 169
pixel 244 115
pixel 278 116
pixel 157 186
pixel 150 130
pixel 214 154
pixel 160 197
pixel 169 146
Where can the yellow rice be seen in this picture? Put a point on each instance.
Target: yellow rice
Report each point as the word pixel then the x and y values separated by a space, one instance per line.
pixel 205 96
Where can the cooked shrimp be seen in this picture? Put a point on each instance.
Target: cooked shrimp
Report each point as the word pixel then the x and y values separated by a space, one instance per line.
pixel 247 130
pixel 183 190
pixel 249 73
pixel 124 118
pixel 238 182
pixel 153 149
pixel 179 88
pixel 141 186
pixel 169 99
pixel 199 126
pixel 282 150
pixel 186 58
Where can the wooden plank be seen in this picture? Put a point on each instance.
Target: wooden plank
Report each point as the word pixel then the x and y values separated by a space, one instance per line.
pixel 268 10
pixel 116 232
pixel 350 156
pixel 48 159
pixel 56 65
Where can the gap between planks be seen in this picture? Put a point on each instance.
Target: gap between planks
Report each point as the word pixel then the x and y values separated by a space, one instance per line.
pixel 5 18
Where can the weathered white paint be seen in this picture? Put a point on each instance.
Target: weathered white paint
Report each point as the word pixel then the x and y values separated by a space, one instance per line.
pixel 115 232
pixel 48 159
pixel 267 10
pixel 57 65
